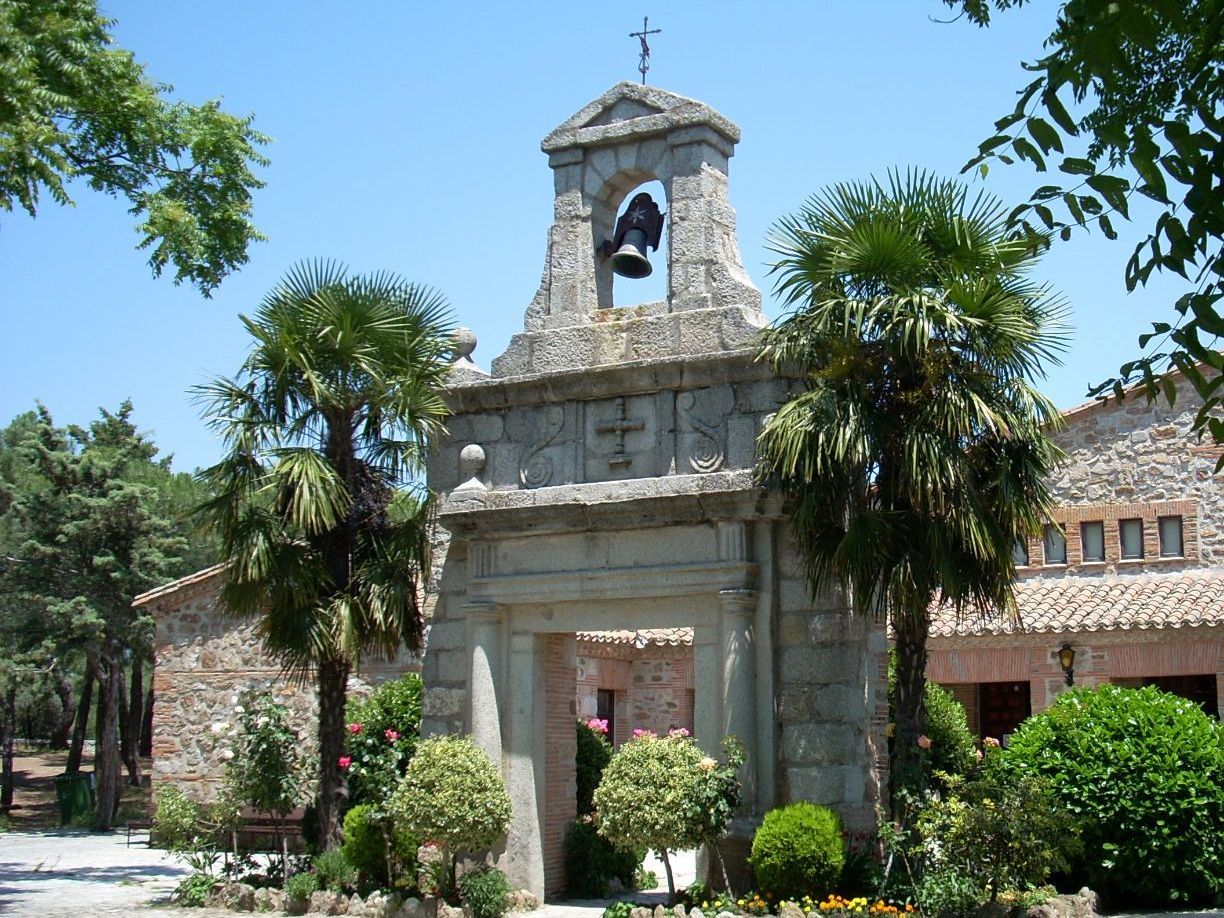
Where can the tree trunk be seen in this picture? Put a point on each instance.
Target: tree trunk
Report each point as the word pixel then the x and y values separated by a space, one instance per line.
pixel 671 881
pixel 107 782
pixel 81 723
pixel 909 719
pixel 7 730
pixel 62 730
pixel 333 682
pixel 130 745
pixel 146 729
pixel 124 743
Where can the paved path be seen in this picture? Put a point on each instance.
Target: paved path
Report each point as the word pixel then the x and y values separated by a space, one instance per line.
pixel 63 873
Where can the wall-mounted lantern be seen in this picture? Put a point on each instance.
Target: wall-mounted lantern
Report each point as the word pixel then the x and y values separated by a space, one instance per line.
pixel 1066 659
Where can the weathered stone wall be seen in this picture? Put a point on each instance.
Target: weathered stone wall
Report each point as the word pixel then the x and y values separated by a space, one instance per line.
pixel 832 704
pixel 204 660
pixel 1135 459
pixel 705 418
pixel 653 686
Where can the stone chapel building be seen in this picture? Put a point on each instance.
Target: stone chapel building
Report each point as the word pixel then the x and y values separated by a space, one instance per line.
pixel 596 493
pixel 603 550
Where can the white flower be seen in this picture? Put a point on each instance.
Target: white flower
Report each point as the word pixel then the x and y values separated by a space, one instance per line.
pixel 239 709
pixel 227 754
pixel 219 727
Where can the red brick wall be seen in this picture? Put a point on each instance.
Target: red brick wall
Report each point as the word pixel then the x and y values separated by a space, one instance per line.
pixel 560 788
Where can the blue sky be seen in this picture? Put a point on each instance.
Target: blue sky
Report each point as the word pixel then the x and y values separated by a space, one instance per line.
pixel 406 138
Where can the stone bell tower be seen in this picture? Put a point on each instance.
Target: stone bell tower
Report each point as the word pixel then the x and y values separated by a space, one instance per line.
pixel 603 478
pixel 631 135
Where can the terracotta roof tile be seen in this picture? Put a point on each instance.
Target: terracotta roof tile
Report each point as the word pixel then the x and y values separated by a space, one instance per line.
pixel 174 586
pixel 670 636
pixel 1109 603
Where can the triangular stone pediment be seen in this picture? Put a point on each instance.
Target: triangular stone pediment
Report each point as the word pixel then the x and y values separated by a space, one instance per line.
pixel 630 108
pixel 624 110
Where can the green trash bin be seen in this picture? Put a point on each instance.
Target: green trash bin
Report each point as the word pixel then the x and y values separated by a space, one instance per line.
pixel 75 792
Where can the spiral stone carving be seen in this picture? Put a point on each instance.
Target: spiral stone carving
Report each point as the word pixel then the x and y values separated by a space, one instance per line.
pixel 536 470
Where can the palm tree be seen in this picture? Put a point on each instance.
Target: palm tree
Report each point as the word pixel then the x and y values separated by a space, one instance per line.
pixel 915 455
pixel 325 424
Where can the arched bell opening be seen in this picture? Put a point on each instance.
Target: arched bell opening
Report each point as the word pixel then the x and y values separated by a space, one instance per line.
pixel 622 259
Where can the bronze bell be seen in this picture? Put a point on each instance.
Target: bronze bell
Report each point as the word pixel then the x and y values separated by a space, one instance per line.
pixel 639 227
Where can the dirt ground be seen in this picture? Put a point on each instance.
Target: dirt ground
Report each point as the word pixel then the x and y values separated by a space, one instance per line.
pixel 34 803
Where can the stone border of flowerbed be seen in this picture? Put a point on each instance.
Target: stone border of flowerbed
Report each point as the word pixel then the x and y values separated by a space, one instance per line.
pixel 242 897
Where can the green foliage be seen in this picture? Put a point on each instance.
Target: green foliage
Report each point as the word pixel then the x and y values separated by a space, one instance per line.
pixel 326 425
pixel 594 753
pixel 645 799
pixel 485 892
pixel 1143 772
pixel 77 106
pixel 953 749
pixel 300 887
pixel 178 821
pixel 266 769
pixel 797 851
pixel 192 891
pixel 591 861
pixel 383 855
pixel 949 893
pixel 84 530
pixel 334 871
pixel 453 796
pixel 618 910
pixel 1146 84
pixel 917 450
pixel 1002 832
pixel 383 733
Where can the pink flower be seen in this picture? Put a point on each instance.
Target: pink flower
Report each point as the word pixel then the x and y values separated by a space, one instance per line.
pixel 598 724
pixel 391 735
pixel 924 741
pixel 990 741
pixel 639 733
pixel 354 729
pixel 345 761
pixel 679 731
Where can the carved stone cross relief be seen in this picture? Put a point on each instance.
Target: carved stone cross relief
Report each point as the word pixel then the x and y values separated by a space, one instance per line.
pixel 618 425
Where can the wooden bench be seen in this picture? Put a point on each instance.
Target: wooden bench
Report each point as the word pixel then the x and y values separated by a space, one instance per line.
pixel 254 825
pixel 139 825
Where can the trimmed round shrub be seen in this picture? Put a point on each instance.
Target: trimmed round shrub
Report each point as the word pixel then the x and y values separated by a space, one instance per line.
pixel 1143 771
pixel 486 892
pixel 452 795
pixel 380 852
pixel 798 852
pixel 645 797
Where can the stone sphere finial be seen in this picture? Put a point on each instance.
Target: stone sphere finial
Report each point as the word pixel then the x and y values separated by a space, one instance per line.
pixel 465 343
pixel 471 460
pixel 471 464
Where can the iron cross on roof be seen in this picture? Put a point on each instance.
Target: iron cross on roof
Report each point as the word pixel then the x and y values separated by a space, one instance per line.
pixel 644 57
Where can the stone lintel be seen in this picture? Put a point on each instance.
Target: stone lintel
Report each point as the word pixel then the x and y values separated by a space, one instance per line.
pixel 633 378
pixel 600 505
pixel 595 589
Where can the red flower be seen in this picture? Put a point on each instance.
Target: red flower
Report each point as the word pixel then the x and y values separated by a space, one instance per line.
pixel 345 761
pixel 391 735
pixel 354 729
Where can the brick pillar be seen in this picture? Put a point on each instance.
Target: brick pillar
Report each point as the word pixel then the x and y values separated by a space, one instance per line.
pixel 560 782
